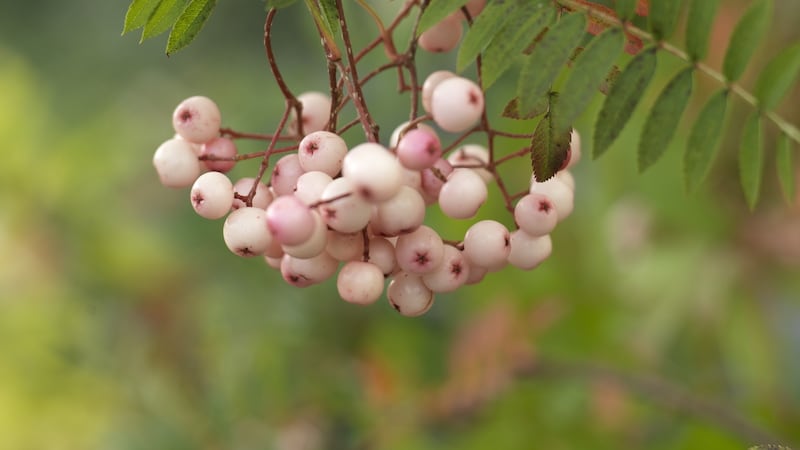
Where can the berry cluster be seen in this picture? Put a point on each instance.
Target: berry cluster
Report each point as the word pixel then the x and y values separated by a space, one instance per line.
pixel 357 213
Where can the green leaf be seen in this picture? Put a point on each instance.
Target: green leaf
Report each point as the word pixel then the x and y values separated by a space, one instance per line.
pixel 785 166
pixel 436 11
pixel 625 8
pixel 513 38
pixel 547 58
pixel 588 72
pixel 625 94
pixel 751 159
pixel 745 38
pixel 663 17
pixel 704 140
pixel 189 23
pixel 138 13
pixel 698 27
pixel 163 18
pixel 331 15
pixel 664 118
pixel 549 146
pixel 511 111
pixel 483 30
pixel 778 76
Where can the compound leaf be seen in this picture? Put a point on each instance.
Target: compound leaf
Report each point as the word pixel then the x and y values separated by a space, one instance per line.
pixel 547 58
pixel 512 39
pixel 138 13
pixel 549 146
pixel 483 30
pixel 189 23
pixel 436 11
pixel 704 140
pixel 751 159
pixel 163 18
pixel 664 118
pixel 663 17
pixel 698 27
pixel 587 74
pixel 745 38
pixel 778 76
pixel 625 94
pixel 785 166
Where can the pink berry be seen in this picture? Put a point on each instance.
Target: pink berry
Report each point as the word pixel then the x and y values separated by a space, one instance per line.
pixel 401 214
pixel 312 246
pixel 451 274
pixel 289 220
pixel 360 282
pixel 310 186
pixel 559 193
pixel 434 177
pixel 443 36
pixel 473 156
pixel 220 152
pixel 262 198
pixel 342 209
pixel 408 295
pixel 535 214
pixel 302 273
pixel 245 232
pixel 374 170
pixel 462 194
pixel 212 195
pixel 316 112
pixel 419 252
pixel 487 244
pixel 382 254
pixel 419 149
pixel 456 104
pixel 197 119
pixel 403 128
pixel 176 163
pixel 345 246
pixel 527 251
pixel 322 151
pixel 285 174
pixel 430 84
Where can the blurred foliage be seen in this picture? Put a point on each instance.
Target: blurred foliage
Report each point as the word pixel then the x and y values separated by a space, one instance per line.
pixel 126 324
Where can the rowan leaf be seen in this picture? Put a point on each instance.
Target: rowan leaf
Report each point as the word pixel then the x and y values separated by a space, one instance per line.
pixel 436 11
pixel 163 18
pixel 751 159
pixel 549 146
pixel 745 38
pixel 663 17
pixel 483 30
pixel 785 166
pixel 624 96
pixel 704 140
pixel 778 76
pixel 663 120
pixel 588 73
pixel 547 58
pixel 189 23
pixel 698 27
pixel 513 38
pixel 625 8
pixel 138 13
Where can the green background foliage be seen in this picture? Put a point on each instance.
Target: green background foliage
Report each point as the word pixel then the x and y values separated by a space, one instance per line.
pixel 125 323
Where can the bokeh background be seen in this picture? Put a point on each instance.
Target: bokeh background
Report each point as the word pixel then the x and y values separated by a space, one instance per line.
pixel 662 320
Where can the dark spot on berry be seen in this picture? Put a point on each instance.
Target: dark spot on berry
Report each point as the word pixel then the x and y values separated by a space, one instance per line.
pixel 185 115
pixel 395 306
pixel 197 199
pixel 312 148
pixel 329 213
pixel 365 193
pixel 474 98
pixel 245 251
pixel 545 206
pixel 456 269
pixel 507 240
pixel 422 258
pixel 431 149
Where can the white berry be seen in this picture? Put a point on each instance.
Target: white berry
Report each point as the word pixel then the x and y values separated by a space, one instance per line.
pixel 212 195
pixel 197 119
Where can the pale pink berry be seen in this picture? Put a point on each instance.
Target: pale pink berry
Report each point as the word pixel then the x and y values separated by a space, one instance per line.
pixel 412 178
pixel 476 275
pixel 219 153
pixel 360 282
pixel 262 198
pixel 285 174
pixel 289 220
pixel 312 246
pixel 212 195
pixel 245 232
pixel 487 244
pixel 473 156
pixel 310 186
pixel 559 193
pixel 456 104
pixel 451 274
pixel 430 83
pixel 382 254
pixel 316 112
pixel 307 272
pixel 374 170
pixel 419 252
pixel 176 163
pixel 567 177
pixel 419 149
pixel 462 194
pixel 274 261
pixel 527 251
pixel 443 36
pixel 197 119
pixel 535 214
pixel 403 128
pixel 433 178
pixel 274 250
pixel 408 295
pixel 342 209
pixel 323 151
pixel 345 246
pixel 401 214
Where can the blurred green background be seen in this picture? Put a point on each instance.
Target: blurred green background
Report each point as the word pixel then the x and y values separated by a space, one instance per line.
pixel 661 321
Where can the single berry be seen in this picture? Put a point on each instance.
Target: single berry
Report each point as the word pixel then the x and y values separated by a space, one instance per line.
pixel 374 170
pixel 315 115
pixel 401 214
pixel 382 254
pixel 302 273
pixel 487 244
pixel 176 163
pixel 322 151
pixel 419 149
pixel 285 174
pixel 197 119
pixel 290 220
pixel 474 157
pixel 559 192
pixel 527 251
pixel 535 214
pixel 419 252
pixel 342 209
pixel 430 84
pixel 245 232
pixel 451 274
pixel 212 195
pixel 404 128
pixel 310 186
pixel 219 153
pixel 312 246
pixel 408 295
pixel 456 104
pixel 443 36
pixel 262 198
pixel 462 194
pixel 360 282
